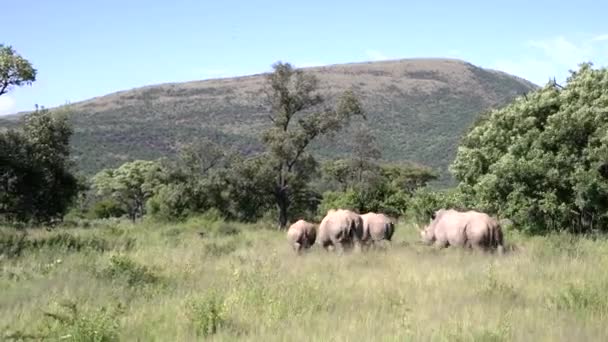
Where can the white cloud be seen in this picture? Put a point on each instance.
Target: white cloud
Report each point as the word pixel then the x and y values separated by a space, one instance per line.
pixel 544 59
pixel 7 105
pixel 375 55
pixel 600 38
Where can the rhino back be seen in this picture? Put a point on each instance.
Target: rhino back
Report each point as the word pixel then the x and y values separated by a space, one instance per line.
pixel 380 227
pixel 450 228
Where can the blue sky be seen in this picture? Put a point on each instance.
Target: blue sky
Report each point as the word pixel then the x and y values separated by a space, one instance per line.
pixel 84 49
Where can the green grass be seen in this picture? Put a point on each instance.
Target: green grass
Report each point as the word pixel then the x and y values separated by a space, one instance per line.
pixel 166 282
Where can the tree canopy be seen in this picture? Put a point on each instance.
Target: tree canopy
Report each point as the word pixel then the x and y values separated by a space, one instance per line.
pixel 298 118
pixel 15 70
pixel 132 184
pixel 543 160
pixel 36 182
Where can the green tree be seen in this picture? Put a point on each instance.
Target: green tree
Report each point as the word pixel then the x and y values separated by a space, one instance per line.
pixel 539 160
pixel 36 181
pixel 193 183
pixel 297 120
pixel 389 193
pixel 425 202
pixel 35 178
pixel 15 70
pixel 131 184
pixel 365 154
pixel 248 186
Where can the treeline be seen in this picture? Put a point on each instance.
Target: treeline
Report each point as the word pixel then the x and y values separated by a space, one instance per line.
pixel 541 161
pixel 204 177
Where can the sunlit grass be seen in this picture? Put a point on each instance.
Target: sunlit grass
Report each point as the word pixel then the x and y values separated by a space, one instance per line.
pixel 244 282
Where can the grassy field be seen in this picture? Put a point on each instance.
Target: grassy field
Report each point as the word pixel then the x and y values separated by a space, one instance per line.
pixel 155 282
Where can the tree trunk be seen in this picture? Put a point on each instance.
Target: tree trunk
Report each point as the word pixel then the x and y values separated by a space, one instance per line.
pixel 282 206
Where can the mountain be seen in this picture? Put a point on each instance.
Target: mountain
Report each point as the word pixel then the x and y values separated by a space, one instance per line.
pixel 417 108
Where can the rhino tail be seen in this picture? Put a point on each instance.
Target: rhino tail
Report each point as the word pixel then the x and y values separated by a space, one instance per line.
pixel 389 229
pixel 356 231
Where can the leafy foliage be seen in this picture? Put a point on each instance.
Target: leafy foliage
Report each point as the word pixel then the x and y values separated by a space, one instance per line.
pixel 292 95
pixel 542 160
pixel 122 268
pixel 132 184
pixel 390 191
pixel 35 178
pixel 207 314
pixel 15 71
pixel 107 208
pixel 68 322
pixel 425 202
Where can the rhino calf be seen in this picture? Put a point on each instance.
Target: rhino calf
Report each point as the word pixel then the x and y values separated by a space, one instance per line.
pixel 301 235
pixel 341 229
pixel 376 228
pixel 470 229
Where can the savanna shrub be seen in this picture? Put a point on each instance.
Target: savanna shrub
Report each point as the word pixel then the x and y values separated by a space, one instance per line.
pixel 380 199
pixel 172 202
pixel 207 314
pixel 13 244
pixel 106 208
pixel 425 202
pixel 71 324
pixel 122 268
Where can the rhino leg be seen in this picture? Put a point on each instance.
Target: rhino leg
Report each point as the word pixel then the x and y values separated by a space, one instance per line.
pixel 382 244
pixel 339 247
pixel 478 247
pixel 440 244
pixel 500 250
pixel 297 247
pixel 327 245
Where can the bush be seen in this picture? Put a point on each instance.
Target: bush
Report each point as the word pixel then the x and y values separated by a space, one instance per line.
pixel 69 323
pixel 107 208
pixel 172 202
pixel 212 215
pixel 541 161
pixel 391 202
pixel 425 202
pixel 122 268
pixel 207 314
pixel 14 244
pixel 338 199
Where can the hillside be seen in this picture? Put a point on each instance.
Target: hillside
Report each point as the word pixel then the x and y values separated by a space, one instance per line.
pixel 418 109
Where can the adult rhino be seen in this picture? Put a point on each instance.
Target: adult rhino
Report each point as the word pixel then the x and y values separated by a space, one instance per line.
pixel 301 235
pixel 341 229
pixel 376 228
pixel 470 229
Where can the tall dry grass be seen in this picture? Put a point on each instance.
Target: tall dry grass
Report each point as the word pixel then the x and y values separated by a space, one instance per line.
pixel 155 282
